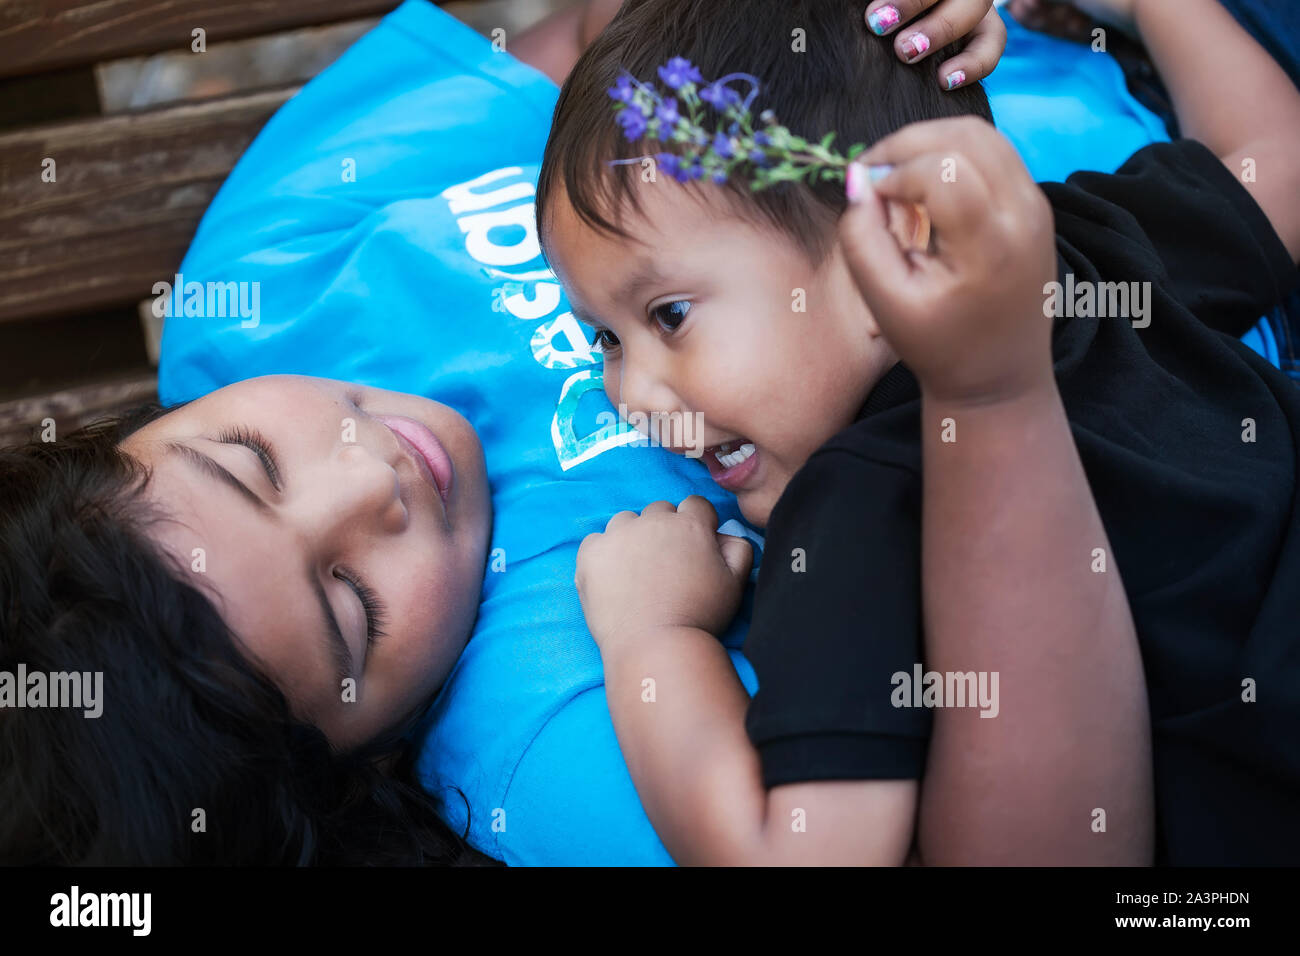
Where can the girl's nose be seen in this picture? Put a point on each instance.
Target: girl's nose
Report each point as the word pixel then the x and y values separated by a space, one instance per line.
pixel 356 491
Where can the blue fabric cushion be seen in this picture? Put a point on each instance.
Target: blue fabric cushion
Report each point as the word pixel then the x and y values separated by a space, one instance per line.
pixel 386 214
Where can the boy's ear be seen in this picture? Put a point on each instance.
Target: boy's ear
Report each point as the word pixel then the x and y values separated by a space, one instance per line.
pixel 909 224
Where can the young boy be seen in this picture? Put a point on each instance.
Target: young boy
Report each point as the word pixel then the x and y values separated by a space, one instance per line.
pixel 820 420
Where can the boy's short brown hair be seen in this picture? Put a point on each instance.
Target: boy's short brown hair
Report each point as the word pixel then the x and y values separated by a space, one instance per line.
pixel 835 76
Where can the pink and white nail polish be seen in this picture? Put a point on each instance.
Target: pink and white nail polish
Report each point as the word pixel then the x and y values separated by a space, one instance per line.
pixel 956 78
pixel 883 20
pixel 916 45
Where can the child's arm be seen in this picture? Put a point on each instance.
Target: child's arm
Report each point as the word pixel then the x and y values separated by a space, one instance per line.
pixel 655 590
pixel 1233 97
pixel 1010 531
pixel 1227 92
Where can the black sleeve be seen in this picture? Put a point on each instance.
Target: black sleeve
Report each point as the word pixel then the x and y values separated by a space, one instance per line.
pixel 836 615
pixel 1176 206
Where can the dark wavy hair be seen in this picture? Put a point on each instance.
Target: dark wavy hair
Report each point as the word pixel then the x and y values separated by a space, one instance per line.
pixel 848 81
pixel 189 723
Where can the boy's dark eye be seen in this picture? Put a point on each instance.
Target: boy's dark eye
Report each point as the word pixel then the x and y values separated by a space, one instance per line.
pixel 671 315
pixel 605 341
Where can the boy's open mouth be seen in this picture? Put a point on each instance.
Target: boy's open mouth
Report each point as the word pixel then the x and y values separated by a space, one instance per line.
pixel 731 463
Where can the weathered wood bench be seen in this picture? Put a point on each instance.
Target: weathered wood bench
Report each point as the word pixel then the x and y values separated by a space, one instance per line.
pixel 95 208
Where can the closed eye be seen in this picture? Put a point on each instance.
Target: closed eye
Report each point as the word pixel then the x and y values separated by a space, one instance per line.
pixel 376 615
pixel 253 439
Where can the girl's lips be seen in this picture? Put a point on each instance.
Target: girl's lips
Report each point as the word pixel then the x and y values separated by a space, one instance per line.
pixel 429 451
pixel 732 478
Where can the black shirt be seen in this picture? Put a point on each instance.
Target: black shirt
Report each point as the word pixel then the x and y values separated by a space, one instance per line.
pixel 1202 525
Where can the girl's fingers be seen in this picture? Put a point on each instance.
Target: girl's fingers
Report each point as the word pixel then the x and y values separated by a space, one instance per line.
pixel 980 56
pixel 944 23
pixel 886 16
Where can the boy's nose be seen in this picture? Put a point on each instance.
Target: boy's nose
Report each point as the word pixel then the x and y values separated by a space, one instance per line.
pixel 646 391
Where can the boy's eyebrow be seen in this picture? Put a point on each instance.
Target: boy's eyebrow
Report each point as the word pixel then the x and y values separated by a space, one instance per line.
pixel 644 275
pixel 582 316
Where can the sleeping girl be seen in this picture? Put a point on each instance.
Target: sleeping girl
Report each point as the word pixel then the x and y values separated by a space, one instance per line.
pixel 282 539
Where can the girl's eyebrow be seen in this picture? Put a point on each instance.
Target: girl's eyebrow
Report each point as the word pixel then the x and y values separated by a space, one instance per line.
pixel 218 471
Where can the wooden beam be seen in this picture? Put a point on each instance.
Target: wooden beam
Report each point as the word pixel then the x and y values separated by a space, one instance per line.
pixel 39 35
pixel 20 419
pixel 129 191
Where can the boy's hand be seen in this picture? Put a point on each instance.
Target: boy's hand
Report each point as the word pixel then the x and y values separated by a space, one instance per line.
pixel 940 23
pixel 967 317
pixel 669 567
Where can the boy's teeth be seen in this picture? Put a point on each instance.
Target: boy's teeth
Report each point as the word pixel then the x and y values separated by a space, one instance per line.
pixel 734 458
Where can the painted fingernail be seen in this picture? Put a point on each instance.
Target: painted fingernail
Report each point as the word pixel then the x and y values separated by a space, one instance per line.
pixel 877 173
pixel 855 181
pixel 956 78
pixel 916 45
pixel 883 20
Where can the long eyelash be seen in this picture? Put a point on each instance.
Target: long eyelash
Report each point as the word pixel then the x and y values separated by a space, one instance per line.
pixel 251 438
pixel 376 616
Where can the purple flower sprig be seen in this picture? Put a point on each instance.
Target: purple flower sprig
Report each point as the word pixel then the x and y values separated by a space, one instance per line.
pixel 712 134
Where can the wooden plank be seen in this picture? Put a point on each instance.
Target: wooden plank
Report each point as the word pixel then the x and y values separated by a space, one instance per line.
pixel 54 352
pixel 129 191
pixel 48 98
pixel 38 35
pixel 20 419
